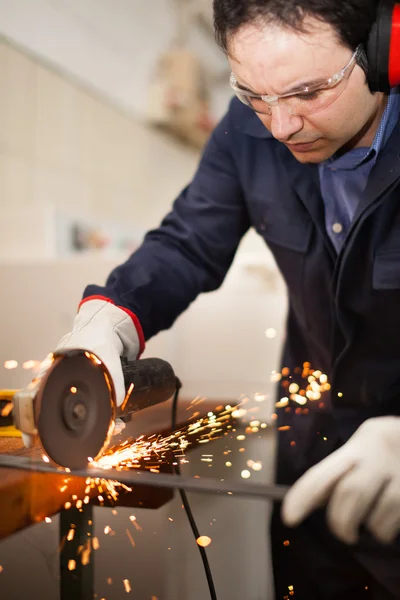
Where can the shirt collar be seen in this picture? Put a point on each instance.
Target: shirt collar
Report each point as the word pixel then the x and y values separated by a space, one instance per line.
pixel 355 157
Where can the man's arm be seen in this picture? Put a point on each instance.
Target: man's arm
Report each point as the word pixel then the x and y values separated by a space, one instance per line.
pixel 192 249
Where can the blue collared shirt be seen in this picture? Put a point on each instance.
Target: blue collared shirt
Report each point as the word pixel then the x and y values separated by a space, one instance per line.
pixel 343 179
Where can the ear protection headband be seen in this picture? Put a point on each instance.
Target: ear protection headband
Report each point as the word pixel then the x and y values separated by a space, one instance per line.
pixel 383 48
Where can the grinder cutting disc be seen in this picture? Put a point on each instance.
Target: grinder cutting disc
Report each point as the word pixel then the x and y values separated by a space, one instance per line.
pixel 74 409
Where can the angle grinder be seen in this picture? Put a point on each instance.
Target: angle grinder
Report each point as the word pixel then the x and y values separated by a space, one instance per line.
pixel 72 408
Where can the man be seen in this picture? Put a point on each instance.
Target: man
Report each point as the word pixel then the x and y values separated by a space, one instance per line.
pixel 309 156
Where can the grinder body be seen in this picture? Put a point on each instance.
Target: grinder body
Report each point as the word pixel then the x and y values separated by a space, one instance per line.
pixel 72 408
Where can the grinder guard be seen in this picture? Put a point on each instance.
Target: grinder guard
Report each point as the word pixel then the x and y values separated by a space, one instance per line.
pixel 74 408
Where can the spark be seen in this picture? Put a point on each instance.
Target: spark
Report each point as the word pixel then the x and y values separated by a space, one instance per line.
pixel 282 402
pixel 132 518
pixel 10 364
pixel 48 520
pixel 95 543
pixel 257 466
pixel 130 538
pixel 71 565
pixel 275 377
pixel 71 534
pixel 228 464
pixel 270 333
pixel 286 543
pixel 245 474
pixel 127 586
pixel 85 557
pixel 204 540
pixel 7 409
pixel 30 364
pixel 241 437
pixel 239 413
pixel 45 458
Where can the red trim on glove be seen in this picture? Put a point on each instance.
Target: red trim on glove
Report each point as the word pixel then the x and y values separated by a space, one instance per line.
pixel 132 315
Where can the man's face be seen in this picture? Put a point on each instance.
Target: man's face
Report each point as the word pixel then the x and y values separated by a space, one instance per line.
pixel 271 60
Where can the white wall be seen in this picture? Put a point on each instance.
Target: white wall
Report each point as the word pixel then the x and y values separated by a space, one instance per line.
pixel 64 148
pixel 113 46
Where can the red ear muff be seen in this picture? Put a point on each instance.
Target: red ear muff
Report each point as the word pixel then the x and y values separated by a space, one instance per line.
pixel 383 48
pixel 394 54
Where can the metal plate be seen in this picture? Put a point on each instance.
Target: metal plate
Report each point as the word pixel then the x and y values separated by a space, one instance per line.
pixel 74 410
pixel 131 477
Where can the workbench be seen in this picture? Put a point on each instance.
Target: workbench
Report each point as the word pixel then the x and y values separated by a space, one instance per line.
pixel 25 497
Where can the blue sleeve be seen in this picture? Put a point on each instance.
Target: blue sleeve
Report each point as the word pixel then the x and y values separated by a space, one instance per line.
pixel 192 249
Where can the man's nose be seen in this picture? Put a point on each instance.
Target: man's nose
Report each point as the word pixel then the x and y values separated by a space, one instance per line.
pixel 282 124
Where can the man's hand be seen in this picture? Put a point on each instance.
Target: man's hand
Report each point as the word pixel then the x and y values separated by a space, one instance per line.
pixel 360 483
pixel 109 332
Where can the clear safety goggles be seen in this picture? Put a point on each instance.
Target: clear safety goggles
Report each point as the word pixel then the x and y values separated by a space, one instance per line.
pixel 302 101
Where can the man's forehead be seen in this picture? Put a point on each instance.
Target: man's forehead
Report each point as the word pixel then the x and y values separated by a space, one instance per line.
pixel 269 58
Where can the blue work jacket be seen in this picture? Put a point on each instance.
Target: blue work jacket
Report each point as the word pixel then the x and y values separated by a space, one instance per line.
pixel 344 310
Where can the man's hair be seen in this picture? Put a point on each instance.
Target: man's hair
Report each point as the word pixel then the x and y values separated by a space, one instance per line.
pixel 351 19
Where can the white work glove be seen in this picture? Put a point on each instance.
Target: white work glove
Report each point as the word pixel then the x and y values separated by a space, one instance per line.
pixel 107 331
pixel 360 483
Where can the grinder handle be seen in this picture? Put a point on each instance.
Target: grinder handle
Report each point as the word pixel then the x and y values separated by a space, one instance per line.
pixel 148 382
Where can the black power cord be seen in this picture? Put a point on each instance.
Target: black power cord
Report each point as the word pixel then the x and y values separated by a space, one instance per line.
pixel 186 505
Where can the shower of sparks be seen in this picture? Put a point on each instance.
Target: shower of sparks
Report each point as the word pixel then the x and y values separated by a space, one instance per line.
pixel 203 541
pixel 152 451
pixel 157 450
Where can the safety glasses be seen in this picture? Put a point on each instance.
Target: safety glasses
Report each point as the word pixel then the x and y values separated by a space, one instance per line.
pixel 302 101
